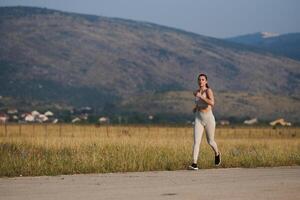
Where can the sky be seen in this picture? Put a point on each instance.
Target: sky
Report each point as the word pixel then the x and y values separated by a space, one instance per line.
pixel 215 18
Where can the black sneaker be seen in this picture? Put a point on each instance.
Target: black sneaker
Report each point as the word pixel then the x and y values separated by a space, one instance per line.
pixel 218 159
pixel 193 166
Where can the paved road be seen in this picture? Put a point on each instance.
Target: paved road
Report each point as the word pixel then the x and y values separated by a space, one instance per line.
pixel 259 183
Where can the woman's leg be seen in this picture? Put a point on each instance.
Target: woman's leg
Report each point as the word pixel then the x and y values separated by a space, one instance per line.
pixel 210 133
pixel 198 131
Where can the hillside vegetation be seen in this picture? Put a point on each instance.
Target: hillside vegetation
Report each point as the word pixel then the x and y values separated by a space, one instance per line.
pixel 48 57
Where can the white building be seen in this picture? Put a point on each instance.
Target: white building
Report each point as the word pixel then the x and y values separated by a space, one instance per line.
pixel 103 120
pixel 224 122
pixel 12 111
pixel 3 118
pixel 281 122
pixel 41 118
pixel 76 120
pixel 49 114
pixel 29 118
pixel 35 113
pixel 251 121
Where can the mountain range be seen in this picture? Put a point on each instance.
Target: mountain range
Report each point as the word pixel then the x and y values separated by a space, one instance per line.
pixel 60 60
pixel 285 45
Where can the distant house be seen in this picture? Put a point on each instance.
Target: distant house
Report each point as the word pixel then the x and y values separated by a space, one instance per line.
pixel 281 122
pixel 34 116
pixel 3 118
pixel 103 120
pixel 224 122
pixel 12 111
pixel 49 114
pixel 29 118
pixel 41 118
pixel 251 121
pixel 35 113
pixel 15 117
pixel 84 116
pixel 84 110
pixel 76 120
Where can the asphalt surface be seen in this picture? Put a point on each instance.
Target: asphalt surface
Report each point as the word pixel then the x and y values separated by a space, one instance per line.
pixel 235 183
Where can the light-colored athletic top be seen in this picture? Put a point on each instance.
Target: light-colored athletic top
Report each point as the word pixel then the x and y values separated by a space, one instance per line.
pixel 200 103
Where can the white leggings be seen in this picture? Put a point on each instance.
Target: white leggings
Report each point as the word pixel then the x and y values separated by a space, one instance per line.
pixel 204 120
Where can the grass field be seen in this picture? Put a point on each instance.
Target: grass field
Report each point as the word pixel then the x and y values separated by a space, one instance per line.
pixel 38 149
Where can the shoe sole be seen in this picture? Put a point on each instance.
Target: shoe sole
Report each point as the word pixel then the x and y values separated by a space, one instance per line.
pixel 193 168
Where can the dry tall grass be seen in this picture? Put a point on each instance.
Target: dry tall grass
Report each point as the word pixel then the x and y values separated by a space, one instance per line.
pixel 33 149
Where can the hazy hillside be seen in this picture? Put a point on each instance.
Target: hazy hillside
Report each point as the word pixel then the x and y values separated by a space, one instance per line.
pixel 286 45
pixel 53 58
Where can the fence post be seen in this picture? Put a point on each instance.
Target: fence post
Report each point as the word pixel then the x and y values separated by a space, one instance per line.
pixel 107 130
pixel 72 130
pixel 33 130
pixel 20 129
pixel 59 129
pixel 46 130
pixel 84 130
pixel 5 129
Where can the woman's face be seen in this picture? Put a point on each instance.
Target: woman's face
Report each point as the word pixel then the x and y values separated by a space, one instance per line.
pixel 202 81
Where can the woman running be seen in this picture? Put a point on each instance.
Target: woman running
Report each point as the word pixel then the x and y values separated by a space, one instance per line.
pixel 204 119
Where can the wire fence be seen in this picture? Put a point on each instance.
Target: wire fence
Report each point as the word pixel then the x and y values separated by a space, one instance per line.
pixel 82 130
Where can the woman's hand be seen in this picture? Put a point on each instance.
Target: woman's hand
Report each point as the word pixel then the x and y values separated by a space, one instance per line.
pixel 209 98
pixel 201 96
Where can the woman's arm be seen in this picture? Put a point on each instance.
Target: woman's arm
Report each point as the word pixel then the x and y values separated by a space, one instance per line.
pixel 210 97
pixel 195 92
